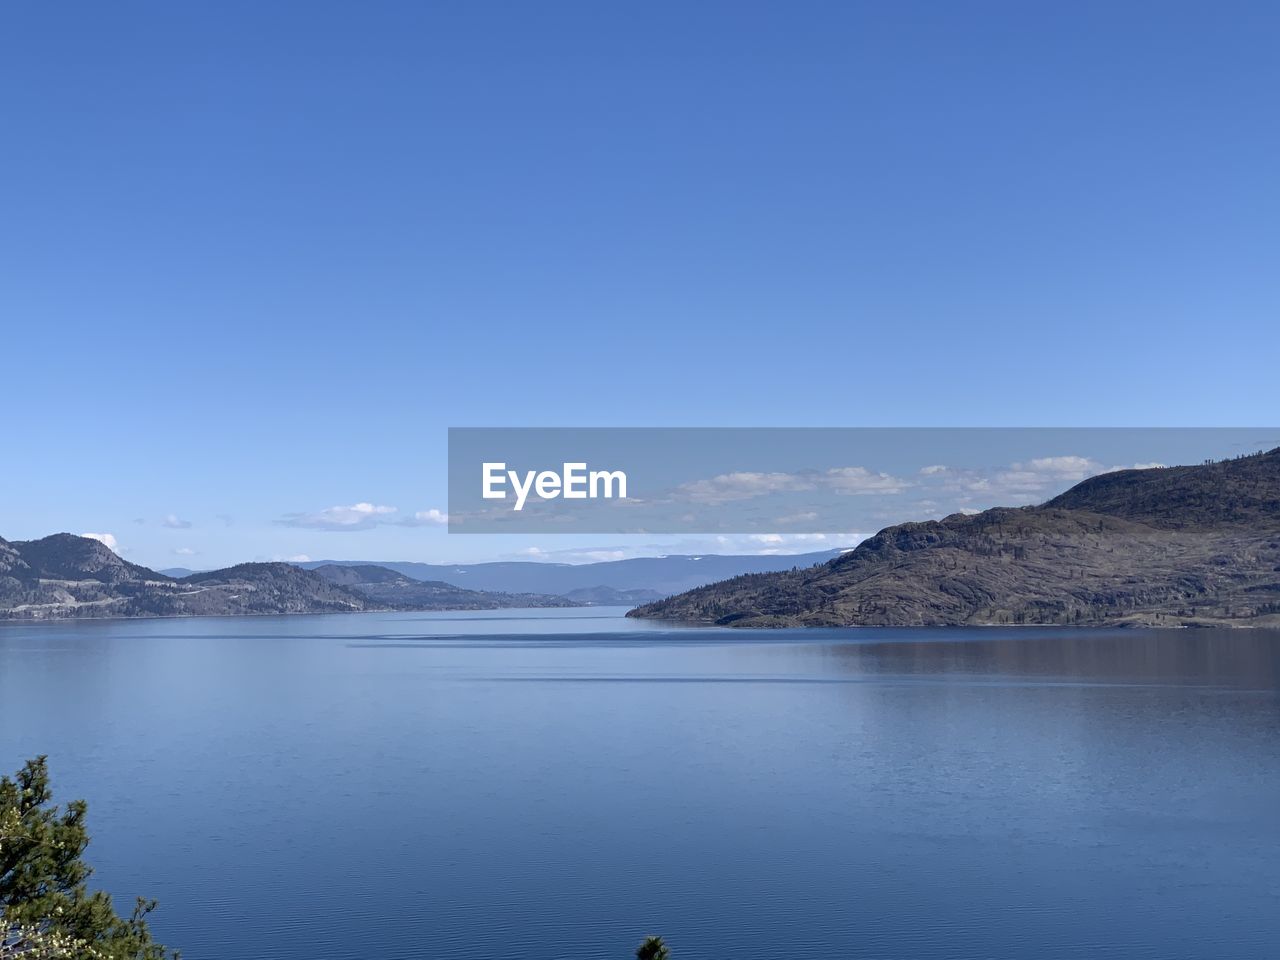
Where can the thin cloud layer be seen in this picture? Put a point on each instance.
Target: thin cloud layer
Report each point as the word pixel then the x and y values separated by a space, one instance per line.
pixel 859 481
pixel 362 516
pixel 846 481
pixel 357 516
pixel 740 486
pixel 1023 482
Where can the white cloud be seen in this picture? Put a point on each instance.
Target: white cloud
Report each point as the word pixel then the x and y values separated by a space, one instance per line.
pixel 106 539
pixel 728 487
pixel 1067 465
pixel 357 516
pixel 742 486
pixel 173 523
pixel 1042 473
pixel 1054 473
pixel 184 552
pixel 793 518
pixel 1026 481
pixel 531 553
pixel 362 516
pixel 860 480
pixel 426 518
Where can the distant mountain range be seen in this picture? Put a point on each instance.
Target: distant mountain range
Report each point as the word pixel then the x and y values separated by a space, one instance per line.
pixel 69 576
pixel 626 581
pixel 1194 545
pixel 397 591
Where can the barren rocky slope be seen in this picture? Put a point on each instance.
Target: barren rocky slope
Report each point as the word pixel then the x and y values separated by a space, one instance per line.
pixel 1180 545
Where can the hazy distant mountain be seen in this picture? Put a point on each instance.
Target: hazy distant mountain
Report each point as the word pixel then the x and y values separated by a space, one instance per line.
pixel 1180 545
pixel 388 588
pixel 611 596
pixel 649 577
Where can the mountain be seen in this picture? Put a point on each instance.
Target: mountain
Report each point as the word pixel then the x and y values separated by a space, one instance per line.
pixel 69 576
pixel 1192 545
pixel 63 556
pixel 612 597
pixel 390 589
pixel 652 577
pixel 257 588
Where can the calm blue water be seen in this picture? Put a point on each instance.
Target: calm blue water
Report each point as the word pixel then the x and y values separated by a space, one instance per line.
pixel 557 784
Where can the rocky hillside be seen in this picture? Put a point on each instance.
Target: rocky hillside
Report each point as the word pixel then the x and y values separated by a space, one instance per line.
pixel 69 576
pixel 66 557
pixel 1181 545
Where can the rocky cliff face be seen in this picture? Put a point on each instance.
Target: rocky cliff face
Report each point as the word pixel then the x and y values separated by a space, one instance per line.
pixel 1181 545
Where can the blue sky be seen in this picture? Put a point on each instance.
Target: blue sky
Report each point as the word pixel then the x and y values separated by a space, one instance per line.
pixel 256 258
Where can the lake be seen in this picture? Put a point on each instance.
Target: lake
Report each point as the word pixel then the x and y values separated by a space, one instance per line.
pixel 560 783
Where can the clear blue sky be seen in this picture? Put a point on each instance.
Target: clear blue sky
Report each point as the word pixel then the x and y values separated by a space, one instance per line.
pixel 256 258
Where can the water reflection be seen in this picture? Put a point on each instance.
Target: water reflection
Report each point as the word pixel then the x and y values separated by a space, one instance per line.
pixel 361 786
